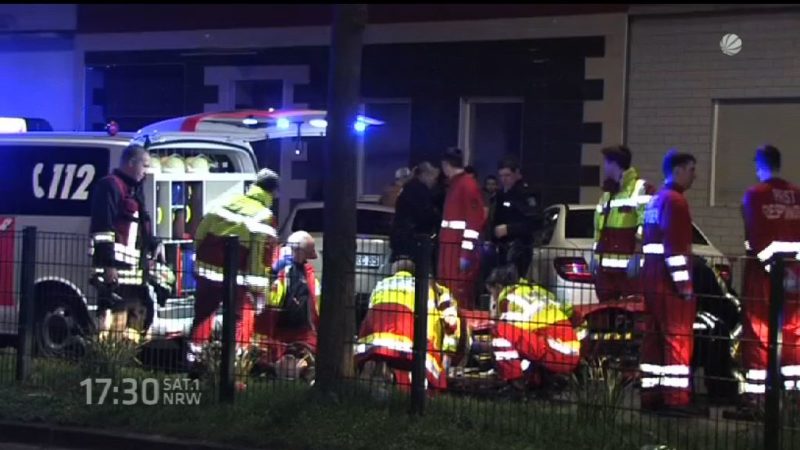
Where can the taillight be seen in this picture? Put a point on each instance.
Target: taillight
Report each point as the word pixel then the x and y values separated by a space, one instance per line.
pixel 724 271
pixel 573 269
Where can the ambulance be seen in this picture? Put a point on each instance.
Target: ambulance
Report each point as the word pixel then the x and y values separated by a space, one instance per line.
pixel 199 162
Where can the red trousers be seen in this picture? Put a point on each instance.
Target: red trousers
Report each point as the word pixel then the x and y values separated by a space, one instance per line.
pixel 545 348
pixel 461 283
pixel 614 284
pixel 208 300
pixel 668 342
pixel 755 332
pixel 398 320
pixel 276 340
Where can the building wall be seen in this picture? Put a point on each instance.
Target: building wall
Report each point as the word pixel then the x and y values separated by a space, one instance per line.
pixel 38 63
pixel 677 72
pixel 572 88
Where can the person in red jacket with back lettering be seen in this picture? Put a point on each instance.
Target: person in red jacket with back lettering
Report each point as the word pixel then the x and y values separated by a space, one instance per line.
pixel 462 218
pixel 771 213
pixel 669 296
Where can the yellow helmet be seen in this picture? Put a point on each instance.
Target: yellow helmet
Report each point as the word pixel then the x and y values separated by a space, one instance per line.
pixel 173 164
pixel 155 164
pixel 197 164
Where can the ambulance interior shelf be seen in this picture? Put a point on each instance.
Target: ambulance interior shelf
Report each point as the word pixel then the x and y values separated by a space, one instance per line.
pixel 180 200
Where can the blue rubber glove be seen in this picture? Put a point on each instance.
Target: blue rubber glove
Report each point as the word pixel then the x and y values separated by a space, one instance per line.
pixel 282 263
pixel 464 264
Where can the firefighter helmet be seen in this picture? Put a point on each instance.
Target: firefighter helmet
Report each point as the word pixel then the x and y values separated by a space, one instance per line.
pixel 197 164
pixel 173 164
pixel 155 164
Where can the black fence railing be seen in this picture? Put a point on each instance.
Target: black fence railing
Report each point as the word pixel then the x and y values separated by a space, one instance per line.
pixel 538 345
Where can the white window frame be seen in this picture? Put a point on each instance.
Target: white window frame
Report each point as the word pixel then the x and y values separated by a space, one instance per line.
pixel 712 188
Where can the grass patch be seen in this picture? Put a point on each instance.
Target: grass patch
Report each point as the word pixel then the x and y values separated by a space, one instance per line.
pixel 594 413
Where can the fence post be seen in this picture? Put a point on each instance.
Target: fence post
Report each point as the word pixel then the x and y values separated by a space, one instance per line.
pixel 27 308
pixel 772 410
pixel 229 299
pixel 421 283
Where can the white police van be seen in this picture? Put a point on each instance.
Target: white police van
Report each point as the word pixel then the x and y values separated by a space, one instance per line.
pixel 47 180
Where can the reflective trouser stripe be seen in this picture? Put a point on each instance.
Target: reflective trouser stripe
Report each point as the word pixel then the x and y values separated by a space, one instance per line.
pixel 665 381
pixel 506 355
pixel 672 376
pixel 615 263
pixel 653 249
pixel 655 369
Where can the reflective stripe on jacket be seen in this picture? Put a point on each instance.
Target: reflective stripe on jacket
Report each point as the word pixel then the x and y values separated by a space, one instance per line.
pixel 249 218
pixel 529 307
pixel 618 220
pixel 667 240
pixel 444 328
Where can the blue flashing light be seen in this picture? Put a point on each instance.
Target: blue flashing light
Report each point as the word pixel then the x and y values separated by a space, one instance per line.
pixel 360 126
pixel 283 123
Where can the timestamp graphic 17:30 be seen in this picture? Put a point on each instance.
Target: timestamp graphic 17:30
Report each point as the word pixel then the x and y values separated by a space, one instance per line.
pixel 147 391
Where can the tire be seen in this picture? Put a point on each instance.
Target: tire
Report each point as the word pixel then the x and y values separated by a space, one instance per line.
pixel 145 306
pixel 62 322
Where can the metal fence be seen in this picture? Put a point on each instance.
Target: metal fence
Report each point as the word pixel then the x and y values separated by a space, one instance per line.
pixel 552 358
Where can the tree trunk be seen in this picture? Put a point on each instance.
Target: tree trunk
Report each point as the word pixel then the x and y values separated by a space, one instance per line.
pixel 337 314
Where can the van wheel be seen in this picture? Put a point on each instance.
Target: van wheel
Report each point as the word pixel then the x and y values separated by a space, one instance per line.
pixel 61 323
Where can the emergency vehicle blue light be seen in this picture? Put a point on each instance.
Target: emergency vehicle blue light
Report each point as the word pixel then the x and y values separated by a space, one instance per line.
pixel 360 126
pixel 318 123
pixel 283 123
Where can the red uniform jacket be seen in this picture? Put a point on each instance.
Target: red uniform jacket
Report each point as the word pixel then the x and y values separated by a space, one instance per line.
pixel 771 212
pixel 667 243
pixel 462 219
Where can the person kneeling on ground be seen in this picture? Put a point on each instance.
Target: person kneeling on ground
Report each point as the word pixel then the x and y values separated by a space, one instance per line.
pixel 289 323
pixel 386 338
pixel 533 335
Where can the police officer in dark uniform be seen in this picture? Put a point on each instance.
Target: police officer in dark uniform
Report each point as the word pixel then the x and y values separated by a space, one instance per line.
pixel 516 215
pixel 415 211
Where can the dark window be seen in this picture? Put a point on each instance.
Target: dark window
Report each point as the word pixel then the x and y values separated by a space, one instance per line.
pixel 367 221
pixel 580 224
pixel 697 238
pixel 545 234
pixel 386 147
pixel 135 95
pixel 496 131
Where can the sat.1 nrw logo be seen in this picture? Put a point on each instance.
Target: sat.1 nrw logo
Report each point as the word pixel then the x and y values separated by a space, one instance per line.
pixel 730 44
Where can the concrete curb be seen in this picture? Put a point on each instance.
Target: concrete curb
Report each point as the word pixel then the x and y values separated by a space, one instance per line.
pixel 78 437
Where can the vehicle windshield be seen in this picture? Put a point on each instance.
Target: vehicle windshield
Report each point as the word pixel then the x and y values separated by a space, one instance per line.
pixel 368 221
pixel 580 225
